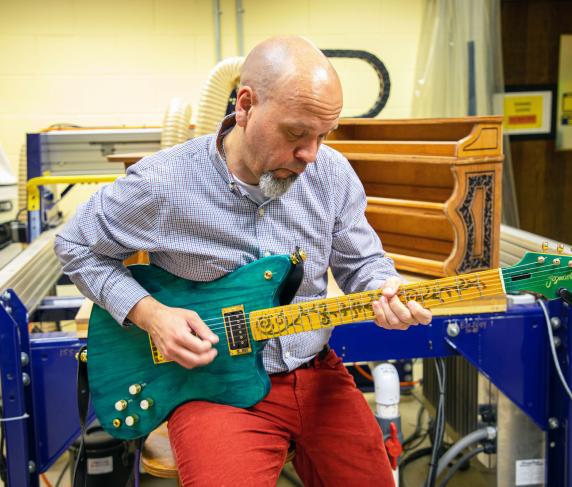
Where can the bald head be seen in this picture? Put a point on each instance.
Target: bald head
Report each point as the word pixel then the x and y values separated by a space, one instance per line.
pixel 283 68
pixel 289 100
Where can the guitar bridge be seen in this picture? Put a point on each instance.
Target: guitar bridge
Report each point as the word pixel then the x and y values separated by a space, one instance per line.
pixel 236 330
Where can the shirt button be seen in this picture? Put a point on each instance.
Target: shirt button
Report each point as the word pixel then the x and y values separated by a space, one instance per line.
pixel 267 253
pixel 287 354
pixel 260 211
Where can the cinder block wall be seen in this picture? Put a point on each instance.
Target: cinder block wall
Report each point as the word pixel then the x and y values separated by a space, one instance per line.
pixel 120 62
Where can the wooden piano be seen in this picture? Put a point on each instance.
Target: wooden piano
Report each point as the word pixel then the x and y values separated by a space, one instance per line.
pixel 433 188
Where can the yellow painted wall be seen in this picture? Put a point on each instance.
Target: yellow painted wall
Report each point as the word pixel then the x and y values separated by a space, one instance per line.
pixel 121 61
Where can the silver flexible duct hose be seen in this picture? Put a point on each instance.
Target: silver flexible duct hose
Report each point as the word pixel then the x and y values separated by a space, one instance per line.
pixel 224 77
pixel 487 433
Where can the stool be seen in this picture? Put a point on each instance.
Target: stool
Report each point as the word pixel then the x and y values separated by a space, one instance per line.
pixel 158 460
pixel 156 456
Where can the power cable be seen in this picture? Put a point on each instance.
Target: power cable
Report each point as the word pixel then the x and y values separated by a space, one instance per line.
pixel 439 423
pixel 553 349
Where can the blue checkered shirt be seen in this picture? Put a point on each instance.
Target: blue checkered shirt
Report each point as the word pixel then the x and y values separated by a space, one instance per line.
pixel 183 207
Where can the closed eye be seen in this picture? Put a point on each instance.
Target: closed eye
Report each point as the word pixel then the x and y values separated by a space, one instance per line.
pixel 296 134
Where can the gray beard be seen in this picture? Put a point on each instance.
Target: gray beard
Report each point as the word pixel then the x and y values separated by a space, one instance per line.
pixel 273 187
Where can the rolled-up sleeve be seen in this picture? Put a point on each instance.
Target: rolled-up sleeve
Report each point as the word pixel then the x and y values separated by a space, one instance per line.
pixel 117 220
pixel 358 260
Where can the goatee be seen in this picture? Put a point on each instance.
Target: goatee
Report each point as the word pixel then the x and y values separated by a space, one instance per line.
pixel 273 187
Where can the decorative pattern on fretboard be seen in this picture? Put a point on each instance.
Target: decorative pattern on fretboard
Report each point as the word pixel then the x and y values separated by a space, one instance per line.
pixel 314 315
pixel 453 289
pixel 353 308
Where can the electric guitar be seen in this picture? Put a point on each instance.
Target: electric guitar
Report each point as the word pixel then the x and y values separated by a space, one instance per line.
pixel 134 388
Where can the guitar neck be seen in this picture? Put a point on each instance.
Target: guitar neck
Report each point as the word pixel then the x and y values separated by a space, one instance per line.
pixel 353 308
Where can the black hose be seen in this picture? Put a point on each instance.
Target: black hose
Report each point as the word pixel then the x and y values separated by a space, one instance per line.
pixel 416 455
pixel 378 67
pixel 464 459
pixel 418 433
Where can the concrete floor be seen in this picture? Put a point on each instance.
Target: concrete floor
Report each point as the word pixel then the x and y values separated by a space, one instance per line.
pixel 415 473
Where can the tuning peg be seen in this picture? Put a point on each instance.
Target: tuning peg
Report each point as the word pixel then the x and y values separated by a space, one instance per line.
pixel 545 246
pixel 560 248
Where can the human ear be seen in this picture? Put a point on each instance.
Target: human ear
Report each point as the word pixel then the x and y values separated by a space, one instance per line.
pixel 244 102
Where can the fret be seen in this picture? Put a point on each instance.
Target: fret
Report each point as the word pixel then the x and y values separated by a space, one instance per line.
pixel 352 308
pixel 339 311
pixel 297 328
pixel 282 323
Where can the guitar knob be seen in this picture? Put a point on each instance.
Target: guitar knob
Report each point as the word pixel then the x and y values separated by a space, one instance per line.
pixel 131 420
pixel 134 389
pixel 121 405
pixel 146 404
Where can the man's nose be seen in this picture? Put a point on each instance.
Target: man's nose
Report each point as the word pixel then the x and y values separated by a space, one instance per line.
pixel 307 152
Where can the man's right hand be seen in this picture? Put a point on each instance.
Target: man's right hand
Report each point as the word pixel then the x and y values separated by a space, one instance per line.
pixel 178 333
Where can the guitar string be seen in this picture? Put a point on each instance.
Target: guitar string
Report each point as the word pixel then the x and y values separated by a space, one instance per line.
pixel 491 276
pixel 218 322
pixel 356 301
pixel 360 301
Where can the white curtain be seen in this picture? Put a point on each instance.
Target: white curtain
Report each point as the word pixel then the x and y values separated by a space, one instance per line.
pixel 453 31
pixel 459 69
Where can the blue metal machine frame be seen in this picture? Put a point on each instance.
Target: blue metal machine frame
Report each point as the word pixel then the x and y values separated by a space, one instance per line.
pixel 510 348
pixel 38 385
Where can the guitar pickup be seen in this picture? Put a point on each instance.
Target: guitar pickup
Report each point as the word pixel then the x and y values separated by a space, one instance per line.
pixel 236 330
pixel 158 357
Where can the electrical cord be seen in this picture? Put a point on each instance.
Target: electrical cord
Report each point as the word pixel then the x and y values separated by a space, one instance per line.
pixel 439 423
pixel 416 438
pixel 413 456
pixel 45 480
pixel 419 441
pixel 61 475
pixel 464 459
pixel 553 348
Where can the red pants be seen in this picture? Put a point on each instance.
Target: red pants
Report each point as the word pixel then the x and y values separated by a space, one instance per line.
pixel 338 441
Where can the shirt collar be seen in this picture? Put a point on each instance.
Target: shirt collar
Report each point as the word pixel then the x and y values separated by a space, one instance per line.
pixel 216 148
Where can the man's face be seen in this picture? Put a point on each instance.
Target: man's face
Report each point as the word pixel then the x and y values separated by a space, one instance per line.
pixel 282 139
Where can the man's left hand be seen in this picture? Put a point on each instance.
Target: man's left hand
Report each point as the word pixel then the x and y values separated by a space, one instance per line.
pixel 392 314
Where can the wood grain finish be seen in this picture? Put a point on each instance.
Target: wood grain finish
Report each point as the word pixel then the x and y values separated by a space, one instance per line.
pixel 433 188
pixel 120 357
pixel 157 457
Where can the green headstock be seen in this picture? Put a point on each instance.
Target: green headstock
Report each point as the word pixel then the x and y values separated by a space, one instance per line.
pixel 540 273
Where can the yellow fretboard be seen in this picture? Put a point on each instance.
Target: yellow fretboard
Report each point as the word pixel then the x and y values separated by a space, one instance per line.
pixel 353 308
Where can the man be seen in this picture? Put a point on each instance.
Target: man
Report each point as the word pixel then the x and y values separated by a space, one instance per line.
pixel 262 185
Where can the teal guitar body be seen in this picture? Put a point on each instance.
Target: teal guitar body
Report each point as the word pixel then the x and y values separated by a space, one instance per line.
pixel 132 394
pixel 133 390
